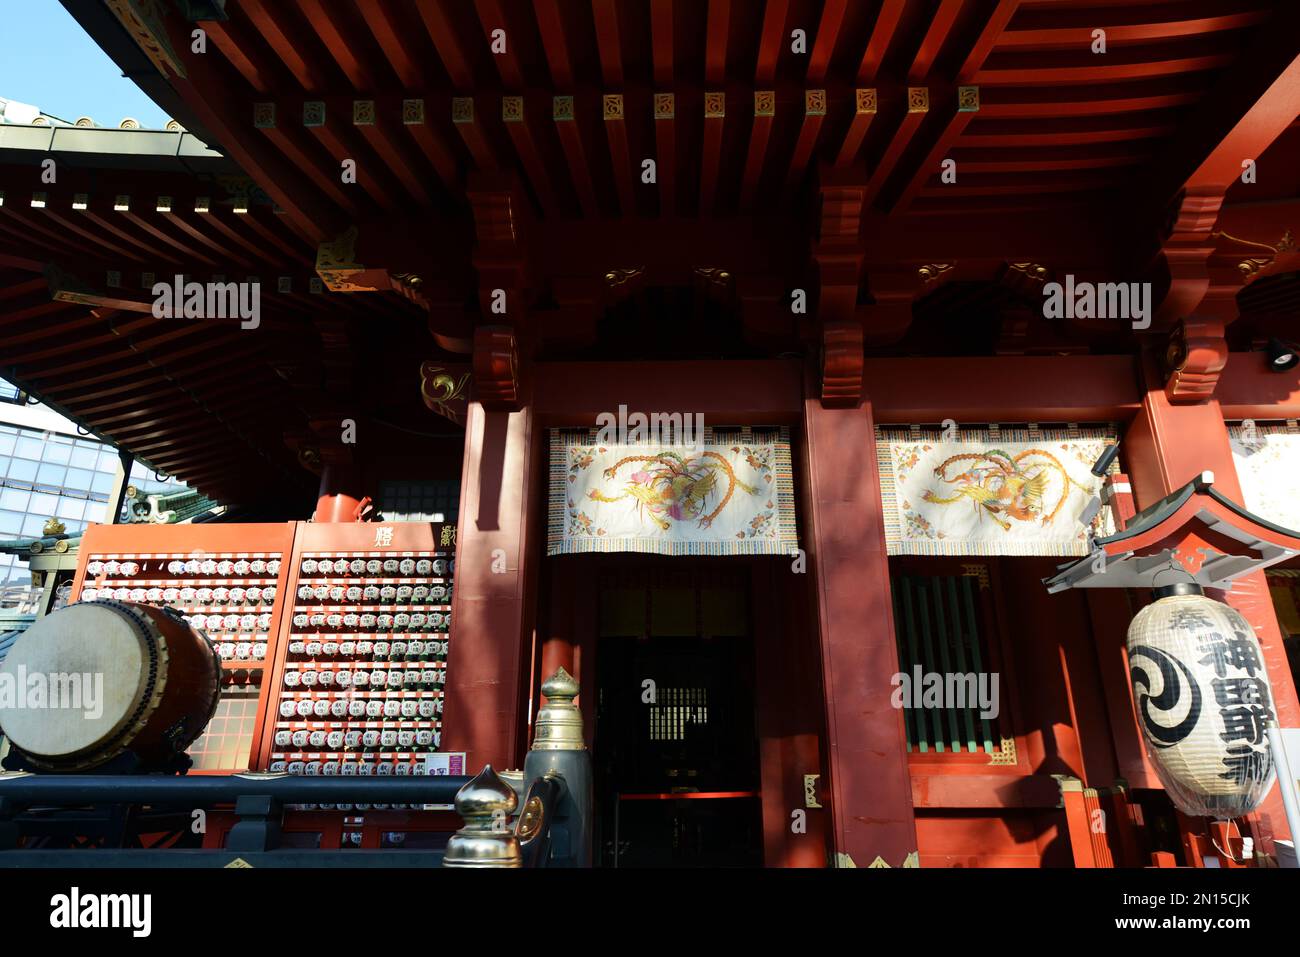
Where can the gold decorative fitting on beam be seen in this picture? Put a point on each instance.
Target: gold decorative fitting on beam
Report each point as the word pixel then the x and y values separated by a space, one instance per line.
pixel 918 99
pixel 559 722
pixel 336 263
pixel 1005 754
pixel 713 274
pixel 968 99
pixel 512 109
pixel 313 113
pixel 462 109
pixel 665 106
pixel 765 102
pixel 145 20
pixel 562 109
pixel 810 790
pixel 932 271
pixel 865 100
pixel 814 102
pixel 264 116
pixel 715 105
pixel 979 572
pixel 413 112
pixel 1251 265
pixel 1034 271
pixel 363 112
pixel 613 106
pixel 617 277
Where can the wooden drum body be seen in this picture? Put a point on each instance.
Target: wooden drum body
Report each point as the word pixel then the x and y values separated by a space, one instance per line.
pixel 148 685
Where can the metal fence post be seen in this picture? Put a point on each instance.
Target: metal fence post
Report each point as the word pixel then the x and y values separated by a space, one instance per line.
pixel 559 749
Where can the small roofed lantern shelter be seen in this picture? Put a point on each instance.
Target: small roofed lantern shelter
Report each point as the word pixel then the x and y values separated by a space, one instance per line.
pixel 1200 685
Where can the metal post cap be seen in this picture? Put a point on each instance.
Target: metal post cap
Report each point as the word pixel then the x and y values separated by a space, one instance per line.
pixel 487 839
pixel 559 722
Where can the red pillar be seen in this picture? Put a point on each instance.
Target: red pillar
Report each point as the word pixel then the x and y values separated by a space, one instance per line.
pixel 340 493
pixel 492 609
pixel 1166 447
pixel 870 788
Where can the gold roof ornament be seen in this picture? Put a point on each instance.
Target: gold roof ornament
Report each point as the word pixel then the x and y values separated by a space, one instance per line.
pixel 54 527
pixel 487 839
pixel 559 722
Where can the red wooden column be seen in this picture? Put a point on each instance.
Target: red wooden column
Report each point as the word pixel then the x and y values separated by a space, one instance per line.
pixel 492 609
pixel 1166 447
pixel 870 789
pixel 340 493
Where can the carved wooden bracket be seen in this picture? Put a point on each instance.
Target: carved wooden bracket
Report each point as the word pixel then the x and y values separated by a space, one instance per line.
pixel 842 362
pixel 496 368
pixel 839 265
pixel 1194 358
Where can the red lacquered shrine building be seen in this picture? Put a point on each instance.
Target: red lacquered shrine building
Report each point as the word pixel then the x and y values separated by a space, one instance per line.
pixel 911 267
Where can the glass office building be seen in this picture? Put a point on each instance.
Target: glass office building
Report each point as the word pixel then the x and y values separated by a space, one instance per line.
pixel 49 470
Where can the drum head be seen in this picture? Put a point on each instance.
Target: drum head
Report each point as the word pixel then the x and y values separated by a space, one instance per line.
pixel 93 662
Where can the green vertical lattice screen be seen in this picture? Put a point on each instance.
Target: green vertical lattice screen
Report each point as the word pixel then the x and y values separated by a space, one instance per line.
pixel 938 626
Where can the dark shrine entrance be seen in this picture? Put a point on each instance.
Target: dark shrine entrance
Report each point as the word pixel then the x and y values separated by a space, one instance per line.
pixel 676 744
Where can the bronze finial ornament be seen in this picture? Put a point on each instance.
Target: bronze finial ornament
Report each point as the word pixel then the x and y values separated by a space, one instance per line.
pixel 559 722
pixel 487 839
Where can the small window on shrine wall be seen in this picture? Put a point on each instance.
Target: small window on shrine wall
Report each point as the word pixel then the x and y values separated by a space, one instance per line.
pixel 951 684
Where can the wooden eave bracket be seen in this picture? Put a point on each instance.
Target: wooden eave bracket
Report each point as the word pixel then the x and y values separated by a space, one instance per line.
pixel 496 368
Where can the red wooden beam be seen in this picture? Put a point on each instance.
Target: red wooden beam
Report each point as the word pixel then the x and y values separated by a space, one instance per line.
pixel 373 125
pixel 759 134
pixel 1079 37
pixel 415 119
pixel 814 114
pixel 661 32
pixel 493 18
pixel 396 47
pixel 333 32
pixel 828 32
pixel 178 219
pixel 101 238
pixel 516 123
pixel 19 289
pixel 1102 73
pixel 666 151
pixel 26 217
pixel 441 32
pixel 555 42
pixel 229 39
pixel 918 105
pixel 991 35
pixel 878 43
pixel 154 229
pixel 291 142
pixel 715 44
pixel 463 116
pixel 620 158
pixel 273 31
pixel 771 41
pixel 608 41
pixel 104 223
pixel 715 117
pixel 564 113
pixel 285 253
pixel 332 132
pixel 936 35
pixel 965 108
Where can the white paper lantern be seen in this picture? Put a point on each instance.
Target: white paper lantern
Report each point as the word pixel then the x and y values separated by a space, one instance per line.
pixel 1203 702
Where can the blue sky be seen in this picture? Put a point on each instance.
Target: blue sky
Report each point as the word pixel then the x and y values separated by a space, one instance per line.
pixel 47 60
